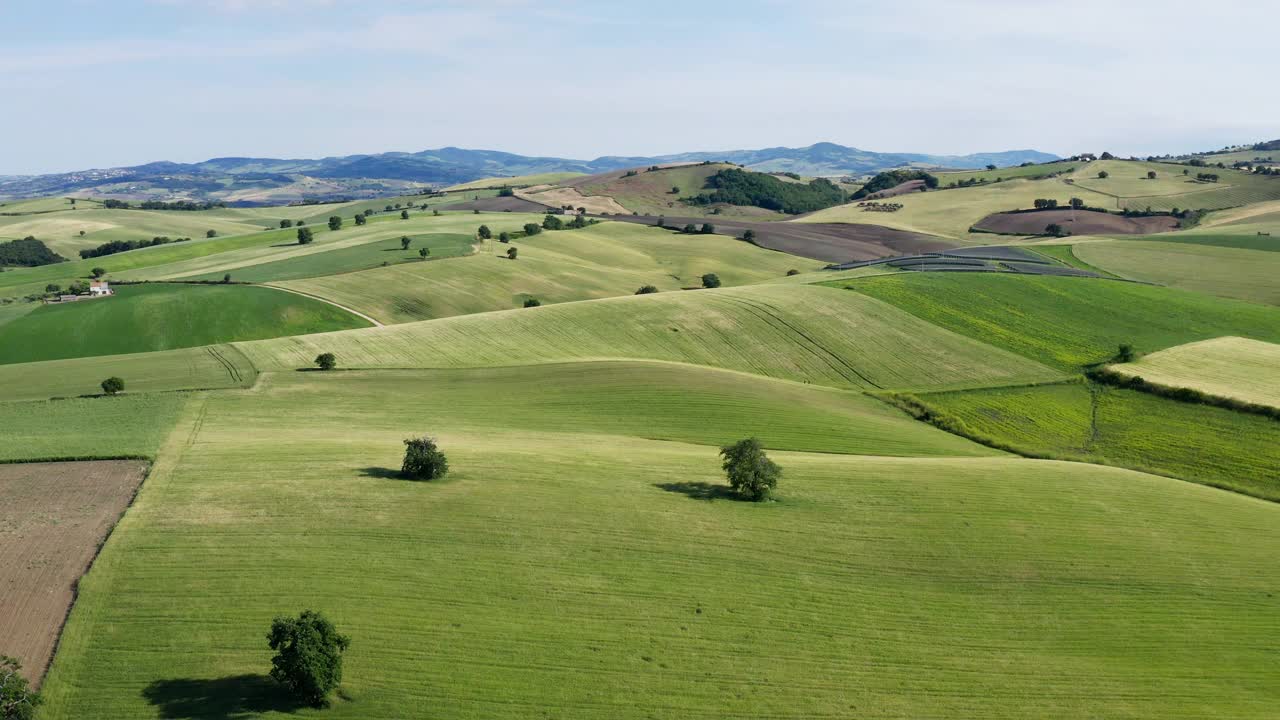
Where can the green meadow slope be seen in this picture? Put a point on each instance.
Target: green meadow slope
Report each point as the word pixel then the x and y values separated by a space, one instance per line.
pixel 1229 367
pixel 142 318
pixel 1239 273
pixel 571 562
pixel 197 368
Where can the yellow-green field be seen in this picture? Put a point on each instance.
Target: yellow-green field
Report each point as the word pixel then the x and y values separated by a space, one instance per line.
pixel 514 181
pixel 1230 367
pixel 1239 273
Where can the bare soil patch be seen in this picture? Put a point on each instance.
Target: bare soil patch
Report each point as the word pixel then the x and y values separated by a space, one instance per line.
pixel 1077 222
pixel 829 242
pixel 909 186
pixel 53 518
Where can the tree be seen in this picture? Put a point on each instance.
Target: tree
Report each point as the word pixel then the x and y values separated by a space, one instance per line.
pixel 476 211
pixel 751 473
pixel 211 233
pixel 335 222
pixel 1151 174
pixel 98 272
pixel 505 191
pixel 423 253
pixel 404 242
pixel 404 214
pixel 1126 353
pixel 532 229
pixel 707 228
pixel 1076 203
pixel 749 236
pixel 991 167
pixel 304 236
pixel 484 233
pixel 675 189
pixel 710 280
pixel 286 224
pixel 78 287
pixel 792 271
pixel 367 212
pixel 423 459
pixel 504 237
pixel 308 657
pixel 646 290
pixel 1104 175
pixel 361 219
pixel 512 253
pixel 326 361
pixel 226 279
pixel 532 302
pixel 689 229
pixel 1055 230
pixel 551 222
pixel 17 700
pixel 112 385
pixel 52 288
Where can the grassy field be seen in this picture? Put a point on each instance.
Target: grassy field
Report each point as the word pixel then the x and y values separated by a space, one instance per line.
pixel 805 333
pixel 1094 423
pixel 1066 255
pixel 560 567
pixel 604 260
pixel 950 213
pixel 212 366
pixel 45 204
pixel 143 318
pixel 61 230
pixel 1068 322
pixel 1252 275
pixel 514 181
pixel 1128 186
pixel 106 427
pixel 350 258
pixel 1228 367
pixel 1007 173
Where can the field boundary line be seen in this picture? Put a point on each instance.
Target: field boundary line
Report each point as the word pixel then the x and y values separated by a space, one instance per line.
pixel 353 311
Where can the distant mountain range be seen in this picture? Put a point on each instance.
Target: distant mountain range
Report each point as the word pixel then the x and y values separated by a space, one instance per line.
pixel 257 181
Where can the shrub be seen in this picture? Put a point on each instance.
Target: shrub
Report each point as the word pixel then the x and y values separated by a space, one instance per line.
pixel 308 657
pixel 647 290
pixel 53 288
pixel 689 229
pixel 707 229
pixel 749 236
pixel 361 219
pixel 532 302
pixel 304 236
pixel 1151 174
pixel 286 223
pixel 17 700
pixel 532 229
pixel 211 233
pixel 1104 175
pixel 751 473
pixel 675 189
pixel 423 459
pixel 504 237
pixel 710 280
pixel 551 222
pixel 326 361
pixel 484 233
pixel 792 272
pixel 1125 353
pixel 512 252
pixel 112 385
pixel 335 222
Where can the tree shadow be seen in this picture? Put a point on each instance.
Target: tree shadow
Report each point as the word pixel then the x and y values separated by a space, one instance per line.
pixel 230 698
pixel 698 490
pixel 382 473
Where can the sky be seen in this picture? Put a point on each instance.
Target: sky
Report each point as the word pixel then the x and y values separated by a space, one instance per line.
pixel 105 83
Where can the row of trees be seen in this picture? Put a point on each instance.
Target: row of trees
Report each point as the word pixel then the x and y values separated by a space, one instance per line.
pixel 892 179
pixel 119 246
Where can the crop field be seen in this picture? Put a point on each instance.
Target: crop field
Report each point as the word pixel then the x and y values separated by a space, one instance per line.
pixel 1066 255
pixel 61 230
pixel 649 191
pixel 1075 222
pixel 142 318
pixel 1229 367
pixel 950 213
pixel 86 428
pixel 604 260
pixel 1030 172
pixel 53 518
pixel 804 333
pixel 350 258
pixel 197 368
pixel 1068 323
pixel 1129 187
pixel 567 563
pixel 1229 272
pixel 1126 428
pixel 515 181
pixel 45 205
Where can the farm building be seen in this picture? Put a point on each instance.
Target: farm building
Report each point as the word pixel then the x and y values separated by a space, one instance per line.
pixel 99 288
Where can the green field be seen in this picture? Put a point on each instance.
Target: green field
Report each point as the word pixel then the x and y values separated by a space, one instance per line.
pixel 1128 186
pixel 142 318
pixel 349 258
pixel 603 260
pixel 1252 275
pixel 514 181
pixel 1229 367
pixel 1068 323
pixel 197 368
pixel 804 333
pixel 1126 428
pixel 61 230
pixel 567 565
pixel 1034 171
pixel 75 429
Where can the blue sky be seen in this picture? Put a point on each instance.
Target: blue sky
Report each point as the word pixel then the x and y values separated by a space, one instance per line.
pixel 100 83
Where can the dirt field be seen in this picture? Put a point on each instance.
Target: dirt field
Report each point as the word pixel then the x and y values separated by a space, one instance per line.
pixel 1077 222
pixel 829 242
pixel 52 519
pixel 909 186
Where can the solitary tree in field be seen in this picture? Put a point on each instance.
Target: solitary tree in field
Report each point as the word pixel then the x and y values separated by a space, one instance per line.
pixel 751 473
pixel 112 385
pixel 532 302
pixel 326 361
pixel 749 236
pixel 360 219
pixel 647 290
pixel 512 253
pixel 991 167
pixel 404 214
pixel 98 272
pixel 404 242
pixel 423 459
pixel 1151 174
pixel 286 224
pixel 675 189
pixel 211 233
pixel 226 279
pixel 335 222
pixel 308 657
pixel 17 700
pixel 304 236
pixel 423 253
pixel 710 280
pixel 504 237
pixel 792 271
pixel 484 233
pixel 1104 175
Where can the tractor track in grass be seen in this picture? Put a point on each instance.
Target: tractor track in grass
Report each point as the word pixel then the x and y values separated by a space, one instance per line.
pixel 232 371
